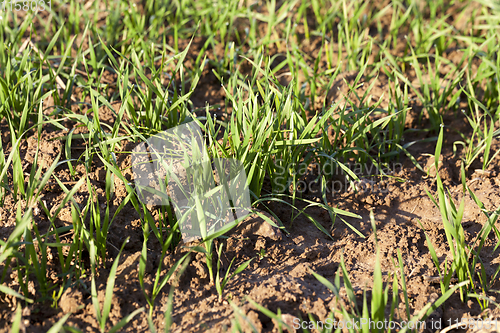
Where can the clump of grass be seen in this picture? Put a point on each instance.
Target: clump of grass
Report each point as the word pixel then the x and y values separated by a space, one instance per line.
pixel 452 223
pixel 220 283
pixel 383 299
pixel 465 256
pixel 102 316
pixel 159 281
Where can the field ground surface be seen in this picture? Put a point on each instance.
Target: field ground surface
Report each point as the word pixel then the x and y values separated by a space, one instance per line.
pixel 369 133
